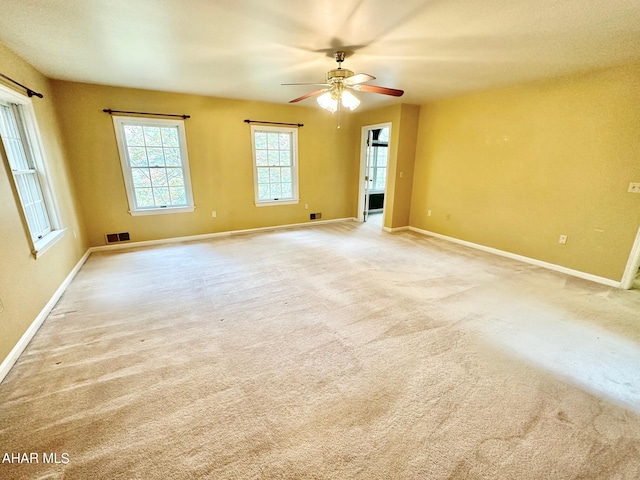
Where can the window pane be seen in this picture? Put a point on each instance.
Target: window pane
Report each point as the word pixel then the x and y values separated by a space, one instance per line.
pixel 382 156
pixel 263 175
pixel 141 177
pixel 152 137
pixel 156 157
pixel 380 178
pixel 285 141
pixel 285 157
pixel 17 155
pixel 170 136
pixel 133 135
pixel 172 157
pixel 261 158
pixel 24 191
pixel 263 191
pixel 43 219
pixel 175 177
pixel 158 177
pixel 274 175
pixel 272 141
pixel 162 196
pixel 274 157
pixel 276 191
pixel 138 156
pixel 178 195
pixel 261 140
pixel 144 197
pixel 287 190
pixel 285 174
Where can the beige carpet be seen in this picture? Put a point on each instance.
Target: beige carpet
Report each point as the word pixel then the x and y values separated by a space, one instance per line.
pixel 329 352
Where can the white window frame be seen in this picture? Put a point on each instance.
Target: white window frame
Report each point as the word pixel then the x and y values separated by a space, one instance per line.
pixel 119 122
pixel 31 140
pixel 294 166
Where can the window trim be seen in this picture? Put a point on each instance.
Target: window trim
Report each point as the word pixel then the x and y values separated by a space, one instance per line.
pixel 33 138
pixel 118 125
pixel 294 166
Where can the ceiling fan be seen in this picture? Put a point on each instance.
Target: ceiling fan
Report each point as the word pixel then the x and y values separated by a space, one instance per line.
pixel 338 86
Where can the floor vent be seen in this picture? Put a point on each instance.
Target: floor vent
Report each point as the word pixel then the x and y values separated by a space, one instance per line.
pixel 117 237
pixel 315 216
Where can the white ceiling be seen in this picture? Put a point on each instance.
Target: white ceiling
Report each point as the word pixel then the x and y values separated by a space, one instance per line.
pixel 247 48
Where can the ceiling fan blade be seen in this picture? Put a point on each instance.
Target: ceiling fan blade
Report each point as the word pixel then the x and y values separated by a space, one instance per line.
pixel 324 84
pixel 384 90
pixel 317 92
pixel 359 78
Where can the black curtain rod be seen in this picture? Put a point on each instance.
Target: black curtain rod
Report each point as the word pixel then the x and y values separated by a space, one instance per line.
pixel 275 123
pixel 111 112
pixel 30 92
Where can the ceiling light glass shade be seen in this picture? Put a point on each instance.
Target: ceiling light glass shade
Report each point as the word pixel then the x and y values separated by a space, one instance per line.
pixel 327 102
pixel 349 100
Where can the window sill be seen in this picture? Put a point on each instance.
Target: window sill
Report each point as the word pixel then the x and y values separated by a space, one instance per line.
pixel 161 211
pixel 277 202
pixel 46 242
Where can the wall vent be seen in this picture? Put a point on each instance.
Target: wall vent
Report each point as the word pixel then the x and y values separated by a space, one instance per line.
pixel 117 237
pixel 315 216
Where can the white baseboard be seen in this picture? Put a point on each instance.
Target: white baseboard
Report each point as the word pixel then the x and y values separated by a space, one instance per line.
pixel 521 258
pixel 395 229
pixel 19 347
pixel 205 236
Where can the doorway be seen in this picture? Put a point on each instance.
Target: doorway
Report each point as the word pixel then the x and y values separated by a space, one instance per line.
pixel 374 163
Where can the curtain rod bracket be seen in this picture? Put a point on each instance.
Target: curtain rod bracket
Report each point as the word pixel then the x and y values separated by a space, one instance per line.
pixel 30 93
pixel 275 123
pixel 111 112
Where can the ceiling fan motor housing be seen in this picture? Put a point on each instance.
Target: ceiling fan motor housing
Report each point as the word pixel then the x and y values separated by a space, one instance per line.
pixel 338 75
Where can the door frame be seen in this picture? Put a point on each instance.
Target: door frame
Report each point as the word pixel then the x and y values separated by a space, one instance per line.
pixel 631 270
pixel 363 170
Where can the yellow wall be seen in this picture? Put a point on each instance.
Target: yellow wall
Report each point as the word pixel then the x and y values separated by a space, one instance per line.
pixel 404 123
pixel 219 147
pixel 515 168
pixel 26 284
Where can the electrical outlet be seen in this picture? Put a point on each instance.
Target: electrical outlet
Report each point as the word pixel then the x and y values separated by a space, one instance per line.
pixel 428 213
pixel 214 214
pixel 634 187
pixel 563 239
pixel 306 206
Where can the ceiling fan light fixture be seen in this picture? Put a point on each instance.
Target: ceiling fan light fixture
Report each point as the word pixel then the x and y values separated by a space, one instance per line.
pixel 328 102
pixel 349 100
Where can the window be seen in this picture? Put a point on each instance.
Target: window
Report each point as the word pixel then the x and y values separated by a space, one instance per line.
pixel 25 158
pixel 155 166
pixel 275 152
pixel 378 165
